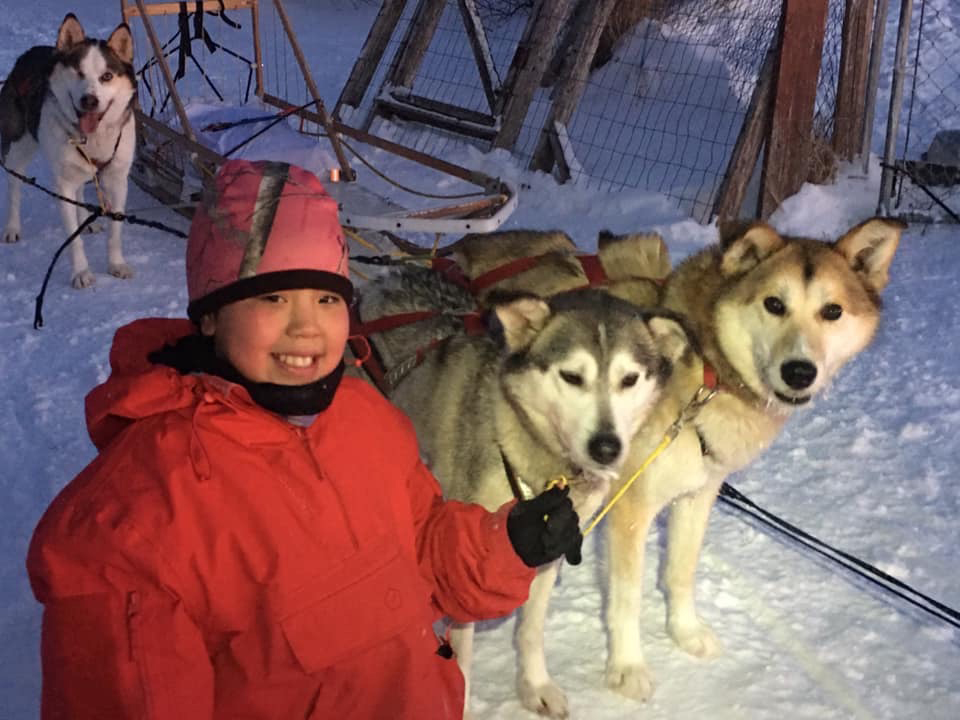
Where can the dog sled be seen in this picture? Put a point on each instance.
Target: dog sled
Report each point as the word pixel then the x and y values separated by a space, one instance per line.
pixel 246 55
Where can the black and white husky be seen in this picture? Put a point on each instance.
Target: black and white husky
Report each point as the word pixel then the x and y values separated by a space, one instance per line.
pixel 75 101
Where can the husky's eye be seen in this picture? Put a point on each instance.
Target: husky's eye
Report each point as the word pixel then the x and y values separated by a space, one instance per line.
pixel 831 311
pixel 774 305
pixel 106 77
pixel 571 378
pixel 629 380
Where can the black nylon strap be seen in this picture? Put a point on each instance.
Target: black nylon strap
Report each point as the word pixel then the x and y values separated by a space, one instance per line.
pixel 183 23
pixel 511 476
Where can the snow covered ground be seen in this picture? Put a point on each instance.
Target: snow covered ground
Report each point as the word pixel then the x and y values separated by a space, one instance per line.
pixel 871 467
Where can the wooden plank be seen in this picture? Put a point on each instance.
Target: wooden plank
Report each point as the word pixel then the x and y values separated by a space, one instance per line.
pixel 189 145
pixel 788 145
pixel 438 106
pixel 472 176
pixel 520 55
pixel 569 89
pixel 530 61
pixel 850 109
pixel 370 55
pixel 477 37
pixel 415 42
pixel 461 210
pixel 390 106
pixel 746 151
pixel 173 8
pixel 257 51
pixel 346 170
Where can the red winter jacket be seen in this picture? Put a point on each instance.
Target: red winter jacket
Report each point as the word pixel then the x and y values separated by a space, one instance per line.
pixel 217 561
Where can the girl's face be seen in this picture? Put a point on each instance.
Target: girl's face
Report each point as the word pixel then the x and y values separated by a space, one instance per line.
pixel 290 337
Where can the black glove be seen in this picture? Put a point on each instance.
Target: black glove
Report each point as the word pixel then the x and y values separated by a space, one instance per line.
pixel 545 527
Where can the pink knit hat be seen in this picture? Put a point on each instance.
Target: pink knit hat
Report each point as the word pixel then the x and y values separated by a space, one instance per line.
pixel 265 227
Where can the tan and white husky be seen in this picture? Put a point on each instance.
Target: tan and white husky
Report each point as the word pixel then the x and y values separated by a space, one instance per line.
pixel 776 318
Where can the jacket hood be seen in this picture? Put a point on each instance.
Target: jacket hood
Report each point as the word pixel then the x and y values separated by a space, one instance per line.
pixel 136 387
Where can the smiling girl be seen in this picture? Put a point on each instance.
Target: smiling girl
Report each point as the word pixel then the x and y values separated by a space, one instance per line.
pixel 258 537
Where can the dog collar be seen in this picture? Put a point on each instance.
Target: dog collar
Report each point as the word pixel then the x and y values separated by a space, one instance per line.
pixel 710 376
pixel 99 164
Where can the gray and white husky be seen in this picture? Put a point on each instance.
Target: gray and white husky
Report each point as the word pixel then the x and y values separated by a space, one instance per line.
pixel 557 388
pixel 74 101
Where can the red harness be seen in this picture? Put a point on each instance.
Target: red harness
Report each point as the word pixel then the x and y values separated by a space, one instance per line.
pixel 710 380
pixel 474 323
pixel 592 268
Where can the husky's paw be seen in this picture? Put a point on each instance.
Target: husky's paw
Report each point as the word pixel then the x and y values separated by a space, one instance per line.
pixel 634 681
pixel 11 235
pixel 697 638
pixel 547 699
pixel 120 270
pixel 83 279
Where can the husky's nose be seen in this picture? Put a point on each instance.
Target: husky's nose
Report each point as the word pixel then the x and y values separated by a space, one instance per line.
pixel 89 102
pixel 604 448
pixel 798 374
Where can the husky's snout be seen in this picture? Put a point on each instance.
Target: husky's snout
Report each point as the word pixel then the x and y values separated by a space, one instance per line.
pixel 798 374
pixel 89 102
pixel 604 447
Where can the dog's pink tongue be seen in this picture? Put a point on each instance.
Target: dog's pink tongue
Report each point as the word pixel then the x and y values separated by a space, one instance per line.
pixel 88 122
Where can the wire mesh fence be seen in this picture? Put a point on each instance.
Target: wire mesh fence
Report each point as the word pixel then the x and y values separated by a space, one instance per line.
pixel 664 101
pixel 928 131
pixel 823 163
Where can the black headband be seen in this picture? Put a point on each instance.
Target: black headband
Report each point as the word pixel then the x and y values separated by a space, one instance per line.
pixel 267 283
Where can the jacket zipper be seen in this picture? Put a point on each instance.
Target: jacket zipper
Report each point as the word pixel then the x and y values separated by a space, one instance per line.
pixel 133 611
pixel 301 432
pixel 134 652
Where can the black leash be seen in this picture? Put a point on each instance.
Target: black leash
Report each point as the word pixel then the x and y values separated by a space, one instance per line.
pixel 511 477
pixel 110 214
pixel 95 212
pixel 733 497
pixel 38 303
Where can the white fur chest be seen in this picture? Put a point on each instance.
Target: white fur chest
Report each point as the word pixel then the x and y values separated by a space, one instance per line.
pixel 79 158
pixel 735 432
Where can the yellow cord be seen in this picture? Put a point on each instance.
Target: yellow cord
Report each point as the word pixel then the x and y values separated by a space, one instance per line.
pixel 360 240
pixel 667 439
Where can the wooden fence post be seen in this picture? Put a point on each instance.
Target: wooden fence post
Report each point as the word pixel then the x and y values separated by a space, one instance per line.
pixel 530 61
pixel 373 48
pixel 415 42
pixel 477 37
pixel 788 145
pixel 746 152
pixel 569 89
pixel 848 117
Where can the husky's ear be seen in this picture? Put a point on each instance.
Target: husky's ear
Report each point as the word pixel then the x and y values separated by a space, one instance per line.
pixel 672 336
pixel 744 252
pixel 634 255
pixel 121 42
pixel 869 248
pixel 71 32
pixel 521 320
